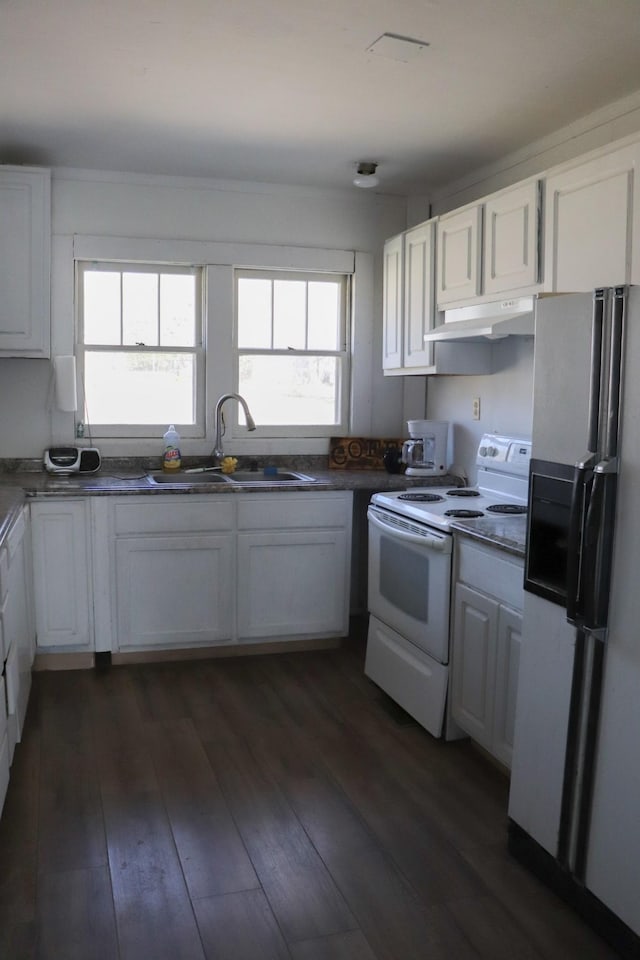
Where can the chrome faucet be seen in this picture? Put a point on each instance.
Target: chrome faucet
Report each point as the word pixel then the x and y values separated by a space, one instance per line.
pixel 217 453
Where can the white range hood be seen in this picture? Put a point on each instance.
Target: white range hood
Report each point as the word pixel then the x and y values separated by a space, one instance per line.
pixel 491 321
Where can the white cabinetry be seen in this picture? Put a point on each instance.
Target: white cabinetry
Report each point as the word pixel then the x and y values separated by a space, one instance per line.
pixel 487 626
pixel 293 565
pixel 25 254
pixel 592 216
pixel 511 240
pixel 459 258
pixel 409 312
pixel 62 573
pixel 173 572
pixel 16 636
pixel 491 248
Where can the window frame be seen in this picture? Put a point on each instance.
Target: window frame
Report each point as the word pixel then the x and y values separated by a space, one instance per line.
pixel 342 355
pixel 196 430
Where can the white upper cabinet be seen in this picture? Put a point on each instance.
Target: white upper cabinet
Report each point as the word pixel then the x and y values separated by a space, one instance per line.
pixel 392 286
pixel 409 312
pixel 510 239
pixel 459 255
pixel 25 254
pixel 419 306
pixel 592 217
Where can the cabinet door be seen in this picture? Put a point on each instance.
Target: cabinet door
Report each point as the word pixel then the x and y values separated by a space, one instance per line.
pixel 17 626
pixel 473 663
pixel 174 591
pixel 419 306
pixel 506 683
pixel 293 583
pixel 592 223
pixel 392 279
pixel 458 255
pixel 25 254
pixel 510 248
pixel 62 573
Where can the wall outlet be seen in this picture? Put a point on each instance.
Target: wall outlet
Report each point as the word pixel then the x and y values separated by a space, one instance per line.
pixel 476 408
pixel 79 430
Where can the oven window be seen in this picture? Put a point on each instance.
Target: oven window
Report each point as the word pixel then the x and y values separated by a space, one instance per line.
pixel 404 578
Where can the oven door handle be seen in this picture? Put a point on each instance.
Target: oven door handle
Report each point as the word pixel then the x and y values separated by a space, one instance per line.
pixel 431 541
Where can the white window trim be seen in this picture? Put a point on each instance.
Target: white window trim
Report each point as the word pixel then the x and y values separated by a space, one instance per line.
pixel 100 431
pixel 218 260
pixel 339 429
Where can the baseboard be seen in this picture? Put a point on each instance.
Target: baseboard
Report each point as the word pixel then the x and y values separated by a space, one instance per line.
pixel 235 650
pixel 63 661
pixel 610 927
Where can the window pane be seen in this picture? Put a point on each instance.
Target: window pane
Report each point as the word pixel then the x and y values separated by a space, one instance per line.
pixel 177 310
pixel 254 313
pixel 289 314
pixel 324 316
pixel 140 388
pixel 140 308
pixel 101 307
pixel 290 390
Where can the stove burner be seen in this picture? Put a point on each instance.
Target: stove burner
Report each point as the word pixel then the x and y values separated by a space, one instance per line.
pixel 515 508
pixel 462 492
pixel 464 514
pixel 421 497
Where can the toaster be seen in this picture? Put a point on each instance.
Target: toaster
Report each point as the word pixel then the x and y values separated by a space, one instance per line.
pixel 68 460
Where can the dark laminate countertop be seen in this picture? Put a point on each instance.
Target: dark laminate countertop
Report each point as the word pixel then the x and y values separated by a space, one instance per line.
pixel 16 485
pixel 505 533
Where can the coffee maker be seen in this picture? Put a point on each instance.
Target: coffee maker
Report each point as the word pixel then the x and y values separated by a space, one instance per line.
pixel 426 452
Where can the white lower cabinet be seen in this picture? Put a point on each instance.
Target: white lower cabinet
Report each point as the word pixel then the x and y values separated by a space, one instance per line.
pixel 174 591
pixel 487 628
pixel 202 571
pixel 16 636
pixel 294 562
pixel 62 574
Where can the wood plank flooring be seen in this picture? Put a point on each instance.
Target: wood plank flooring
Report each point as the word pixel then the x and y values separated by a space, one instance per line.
pixel 262 808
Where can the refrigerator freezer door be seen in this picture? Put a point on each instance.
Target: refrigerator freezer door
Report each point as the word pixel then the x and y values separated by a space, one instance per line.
pixel 561 377
pixel 542 715
pixel 613 863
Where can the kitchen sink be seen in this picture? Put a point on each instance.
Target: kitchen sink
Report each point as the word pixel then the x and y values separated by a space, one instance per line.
pixel 258 477
pixel 182 479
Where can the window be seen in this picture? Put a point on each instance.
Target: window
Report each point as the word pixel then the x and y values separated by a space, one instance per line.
pixel 291 351
pixel 140 350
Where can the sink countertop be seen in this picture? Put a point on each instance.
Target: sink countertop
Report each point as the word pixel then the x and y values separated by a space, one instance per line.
pixel 17 485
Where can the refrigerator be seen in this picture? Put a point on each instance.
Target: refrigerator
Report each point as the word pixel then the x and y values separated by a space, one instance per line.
pixel 574 803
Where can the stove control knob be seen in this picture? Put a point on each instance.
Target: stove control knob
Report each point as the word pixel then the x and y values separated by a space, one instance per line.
pixel 483 451
pixel 492 451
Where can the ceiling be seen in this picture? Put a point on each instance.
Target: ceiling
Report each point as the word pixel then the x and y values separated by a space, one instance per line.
pixel 286 91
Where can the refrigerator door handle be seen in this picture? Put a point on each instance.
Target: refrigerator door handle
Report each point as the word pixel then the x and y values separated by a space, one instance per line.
pixel 597 547
pixel 600 303
pixel 610 447
pixel 580 493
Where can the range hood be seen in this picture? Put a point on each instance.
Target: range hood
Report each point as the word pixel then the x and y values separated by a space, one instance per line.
pixel 486 321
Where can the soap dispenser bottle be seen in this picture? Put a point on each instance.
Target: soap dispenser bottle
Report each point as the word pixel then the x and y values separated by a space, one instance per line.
pixel 171 459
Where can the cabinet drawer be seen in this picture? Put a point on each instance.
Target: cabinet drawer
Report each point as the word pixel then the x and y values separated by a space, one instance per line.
pixel 290 510
pixel 173 514
pixel 492 572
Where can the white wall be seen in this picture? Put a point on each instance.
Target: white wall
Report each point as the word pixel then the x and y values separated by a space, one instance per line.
pixel 120 205
pixel 505 400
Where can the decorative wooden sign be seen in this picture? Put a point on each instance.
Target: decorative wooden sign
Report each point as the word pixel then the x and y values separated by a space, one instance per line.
pixel 360 453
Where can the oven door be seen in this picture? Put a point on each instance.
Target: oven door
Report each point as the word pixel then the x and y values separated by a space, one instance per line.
pixel 410 580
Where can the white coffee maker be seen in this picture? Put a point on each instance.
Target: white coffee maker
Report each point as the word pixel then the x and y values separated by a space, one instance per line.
pixel 426 452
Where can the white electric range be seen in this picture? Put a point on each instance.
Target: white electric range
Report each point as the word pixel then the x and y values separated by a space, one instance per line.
pixel 410 560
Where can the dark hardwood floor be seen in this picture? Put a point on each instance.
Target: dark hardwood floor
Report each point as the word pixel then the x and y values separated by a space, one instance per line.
pixel 259 808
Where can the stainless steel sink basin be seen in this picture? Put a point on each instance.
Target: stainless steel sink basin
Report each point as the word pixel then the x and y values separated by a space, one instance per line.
pixel 182 479
pixel 258 477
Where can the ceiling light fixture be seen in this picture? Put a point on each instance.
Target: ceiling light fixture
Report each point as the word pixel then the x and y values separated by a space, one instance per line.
pixel 366 174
